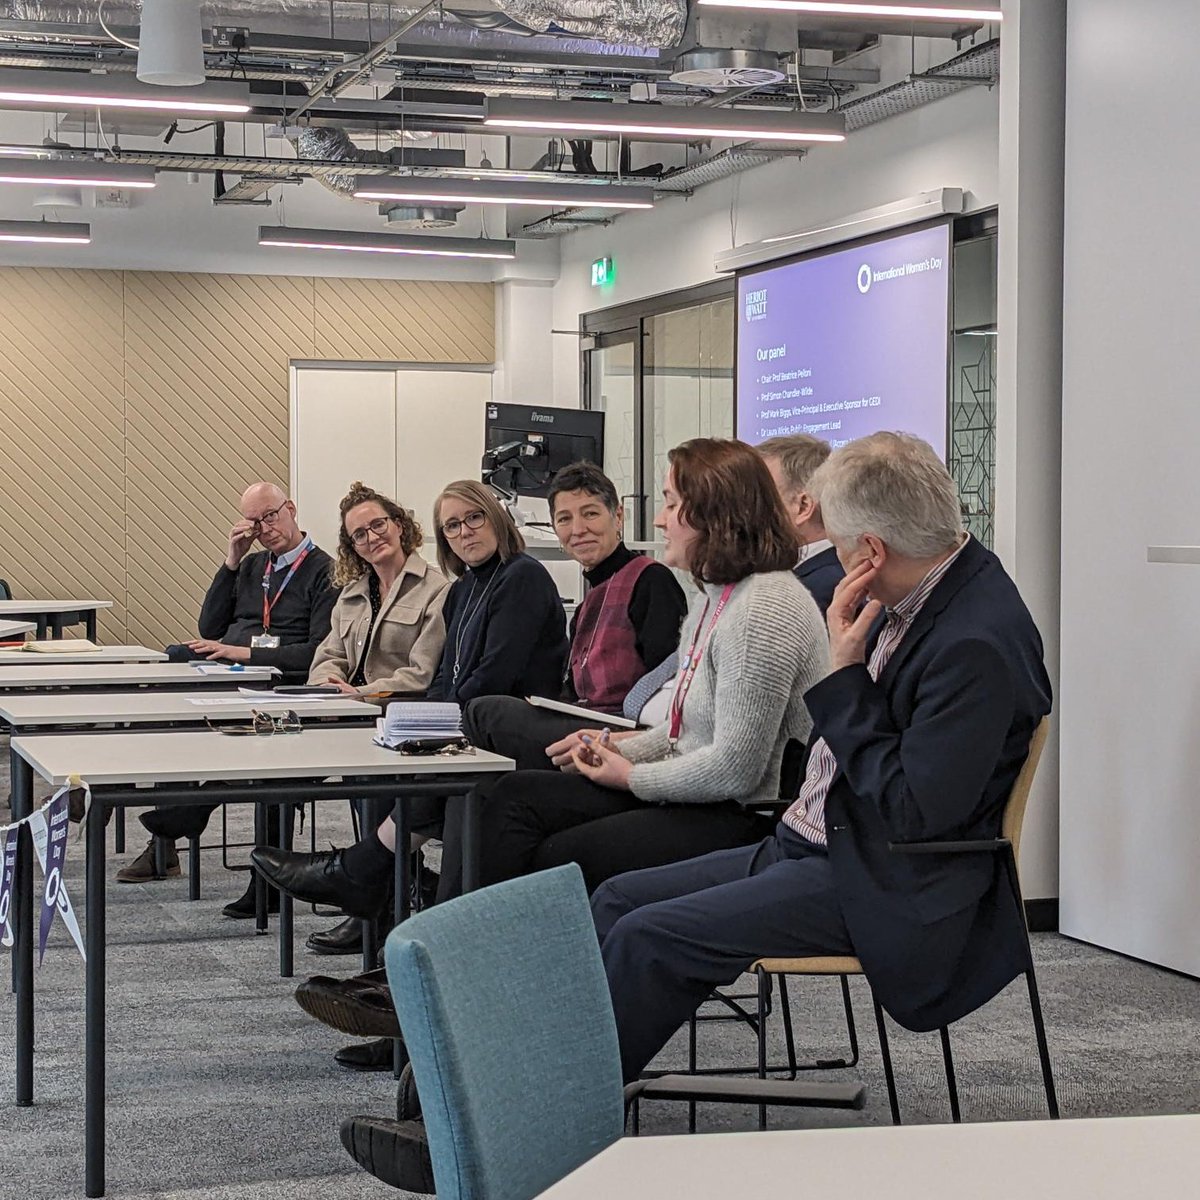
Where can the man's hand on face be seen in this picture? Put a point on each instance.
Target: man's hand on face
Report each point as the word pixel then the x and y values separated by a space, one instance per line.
pixel 849 619
pixel 241 538
pixel 210 649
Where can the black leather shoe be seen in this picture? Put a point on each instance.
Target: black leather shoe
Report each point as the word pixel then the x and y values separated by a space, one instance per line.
pixel 366 1056
pixel 317 879
pixel 345 938
pixel 361 1006
pixel 396 1152
pixel 242 909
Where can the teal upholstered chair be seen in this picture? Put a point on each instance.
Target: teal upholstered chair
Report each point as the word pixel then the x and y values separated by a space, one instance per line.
pixel 507 1017
pixel 505 1010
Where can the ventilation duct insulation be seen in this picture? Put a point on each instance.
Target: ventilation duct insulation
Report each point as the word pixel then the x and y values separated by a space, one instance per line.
pixel 631 23
pixel 171 43
pixel 721 69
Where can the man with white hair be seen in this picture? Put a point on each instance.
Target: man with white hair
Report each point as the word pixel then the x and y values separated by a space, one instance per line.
pixel 271 608
pixel 919 733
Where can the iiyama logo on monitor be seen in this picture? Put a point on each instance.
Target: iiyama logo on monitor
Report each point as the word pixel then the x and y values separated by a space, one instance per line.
pixel 756 305
pixel 542 418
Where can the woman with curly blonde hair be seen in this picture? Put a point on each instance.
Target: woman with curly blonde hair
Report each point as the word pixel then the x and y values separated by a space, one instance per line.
pixel 387 632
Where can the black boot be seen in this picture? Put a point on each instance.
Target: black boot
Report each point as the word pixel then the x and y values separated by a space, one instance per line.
pixel 344 938
pixel 242 909
pixel 366 1056
pixel 397 1152
pixel 354 880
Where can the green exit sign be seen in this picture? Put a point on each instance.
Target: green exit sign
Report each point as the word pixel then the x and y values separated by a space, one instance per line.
pixel 604 271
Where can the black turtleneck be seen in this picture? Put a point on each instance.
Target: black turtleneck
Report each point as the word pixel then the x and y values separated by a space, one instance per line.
pixel 506 631
pixel 657 605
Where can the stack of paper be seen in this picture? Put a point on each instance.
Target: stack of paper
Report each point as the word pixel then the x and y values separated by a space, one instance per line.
pixel 60 646
pixel 408 720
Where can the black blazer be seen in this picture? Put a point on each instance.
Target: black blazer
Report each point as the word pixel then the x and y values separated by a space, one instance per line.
pixel 821 574
pixel 929 752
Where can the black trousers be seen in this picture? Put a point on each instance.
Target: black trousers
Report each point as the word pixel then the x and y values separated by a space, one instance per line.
pixel 671 934
pixel 532 820
pixel 518 730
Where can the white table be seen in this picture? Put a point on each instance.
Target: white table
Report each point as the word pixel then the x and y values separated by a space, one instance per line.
pixel 105 654
pixel 1095 1159
pixel 10 630
pixel 51 615
pixel 47 675
pixel 135 769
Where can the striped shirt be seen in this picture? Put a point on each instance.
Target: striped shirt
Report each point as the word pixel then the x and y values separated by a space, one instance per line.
pixel 807 815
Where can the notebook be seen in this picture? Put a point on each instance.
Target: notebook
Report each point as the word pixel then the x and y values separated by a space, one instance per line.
pixel 408 720
pixel 61 646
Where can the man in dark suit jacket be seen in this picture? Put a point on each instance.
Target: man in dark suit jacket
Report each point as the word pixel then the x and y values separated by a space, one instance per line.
pixel 919 734
pixel 792 461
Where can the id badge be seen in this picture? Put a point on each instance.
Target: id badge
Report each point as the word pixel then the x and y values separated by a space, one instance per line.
pixel 264 641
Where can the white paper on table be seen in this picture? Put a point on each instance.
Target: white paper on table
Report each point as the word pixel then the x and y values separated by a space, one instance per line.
pixel 260 698
pixel 216 669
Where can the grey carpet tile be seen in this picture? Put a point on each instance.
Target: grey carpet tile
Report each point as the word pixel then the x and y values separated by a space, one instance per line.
pixel 220 1087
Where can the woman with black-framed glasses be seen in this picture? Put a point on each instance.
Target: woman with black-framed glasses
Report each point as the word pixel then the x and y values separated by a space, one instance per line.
pixel 387 632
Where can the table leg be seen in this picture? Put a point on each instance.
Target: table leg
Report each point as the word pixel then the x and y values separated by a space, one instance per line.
pixel 94 1008
pixel 403 854
pixel 89 624
pixel 119 830
pixel 22 923
pixel 42 626
pixel 287 816
pixel 194 867
pixel 56 625
pixel 470 853
pixel 260 884
pixel 373 813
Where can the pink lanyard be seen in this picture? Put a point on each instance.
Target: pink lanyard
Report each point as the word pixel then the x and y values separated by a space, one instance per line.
pixel 691 662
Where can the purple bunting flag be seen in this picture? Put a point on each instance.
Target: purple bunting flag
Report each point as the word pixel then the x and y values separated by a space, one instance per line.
pixel 58 826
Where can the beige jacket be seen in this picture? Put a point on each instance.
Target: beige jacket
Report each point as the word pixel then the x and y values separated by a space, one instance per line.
pixel 406 646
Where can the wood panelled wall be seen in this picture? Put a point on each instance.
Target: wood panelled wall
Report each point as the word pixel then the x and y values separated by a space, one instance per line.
pixel 136 406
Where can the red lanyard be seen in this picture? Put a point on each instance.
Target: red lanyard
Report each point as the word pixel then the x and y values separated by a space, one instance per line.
pixel 268 605
pixel 691 662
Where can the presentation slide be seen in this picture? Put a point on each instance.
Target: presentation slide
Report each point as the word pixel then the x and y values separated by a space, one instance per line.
pixel 848 343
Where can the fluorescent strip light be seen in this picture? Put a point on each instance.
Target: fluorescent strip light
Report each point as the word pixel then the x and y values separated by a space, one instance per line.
pixel 76 173
pixel 385 243
pixel 657 121
pixel 934 12
pixel 61 232
pixel 488 191
pixel 63 90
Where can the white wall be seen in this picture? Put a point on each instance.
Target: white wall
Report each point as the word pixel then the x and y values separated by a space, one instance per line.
pixel 1131 425
pixel 951 143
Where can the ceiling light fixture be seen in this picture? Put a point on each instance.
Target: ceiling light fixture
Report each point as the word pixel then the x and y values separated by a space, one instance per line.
pixel 934 11
pixel 62 232
pixel 660 121
pixel 64 90
pixel 385 243
pixel 171 44
pixel 488 191
pixel 76 173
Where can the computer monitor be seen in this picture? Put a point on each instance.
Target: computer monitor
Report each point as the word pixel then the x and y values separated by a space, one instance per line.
pixel 526 444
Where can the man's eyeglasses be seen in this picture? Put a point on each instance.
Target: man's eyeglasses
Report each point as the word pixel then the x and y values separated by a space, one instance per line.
pixel 269 518
pixel 261 724
pixel 473 520
pixel 378 527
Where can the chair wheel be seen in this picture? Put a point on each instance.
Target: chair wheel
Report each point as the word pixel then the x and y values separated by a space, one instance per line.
pixel 408 1103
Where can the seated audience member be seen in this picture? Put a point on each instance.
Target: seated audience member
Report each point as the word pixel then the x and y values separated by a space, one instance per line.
pixel 627 624
pixel 505 635
pixel 920 731
pixel 792 462
pixel 387 632
pixel 752 644
pixel 267 609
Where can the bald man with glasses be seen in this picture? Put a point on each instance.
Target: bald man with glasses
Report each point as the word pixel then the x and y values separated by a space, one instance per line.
pixel 270 608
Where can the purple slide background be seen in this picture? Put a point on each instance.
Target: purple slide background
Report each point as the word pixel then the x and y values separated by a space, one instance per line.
pixel 886 346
